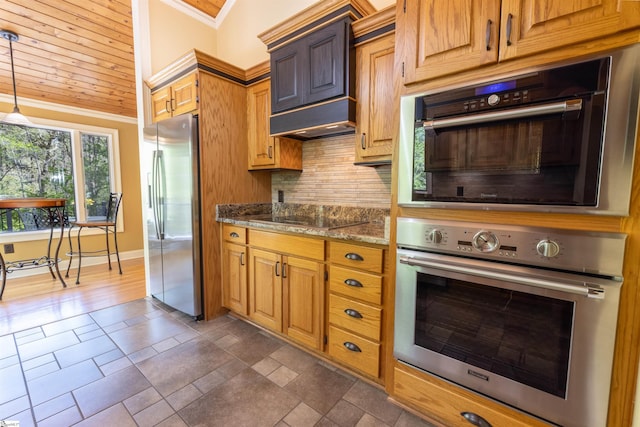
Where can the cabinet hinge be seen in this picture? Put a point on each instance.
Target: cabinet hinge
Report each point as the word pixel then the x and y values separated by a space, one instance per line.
pixel 197 83
pixel 326 340
pixel 326 275
pixel 403 69
pixel 404 6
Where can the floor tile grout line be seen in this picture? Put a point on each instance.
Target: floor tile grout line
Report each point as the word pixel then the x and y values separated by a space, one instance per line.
pixel 24 380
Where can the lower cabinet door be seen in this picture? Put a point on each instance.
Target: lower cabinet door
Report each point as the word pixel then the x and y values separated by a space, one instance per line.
pixel 357 352
pixel 265 288
pixel 234 277
pixel 304 302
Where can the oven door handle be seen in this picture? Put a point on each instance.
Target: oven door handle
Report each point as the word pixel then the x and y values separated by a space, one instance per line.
pixel 570 109
pixel 586 290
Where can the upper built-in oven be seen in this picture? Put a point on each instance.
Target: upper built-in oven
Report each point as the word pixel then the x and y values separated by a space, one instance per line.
pixel 558 138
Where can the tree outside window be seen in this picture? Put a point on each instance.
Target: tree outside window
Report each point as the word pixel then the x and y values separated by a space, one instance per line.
pixel 54 162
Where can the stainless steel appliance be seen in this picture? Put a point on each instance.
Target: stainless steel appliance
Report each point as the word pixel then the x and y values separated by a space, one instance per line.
pixel 173 213
pixel 526 316
pixel 558 138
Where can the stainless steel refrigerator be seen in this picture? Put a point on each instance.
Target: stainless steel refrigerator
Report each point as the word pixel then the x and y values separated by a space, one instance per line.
pixel 172 213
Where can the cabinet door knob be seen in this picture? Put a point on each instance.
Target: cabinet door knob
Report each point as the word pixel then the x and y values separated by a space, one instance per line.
pixel 353 256
pixel 234 235
pixel 351 347
pixel 353 282
pixel 353 313
pixel 509 19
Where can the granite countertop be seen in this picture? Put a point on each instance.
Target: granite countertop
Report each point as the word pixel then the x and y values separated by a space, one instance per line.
pixel 369 223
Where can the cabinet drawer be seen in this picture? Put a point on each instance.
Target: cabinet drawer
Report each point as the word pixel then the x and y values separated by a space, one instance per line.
pixel 360 318
pixel 288 244
pixel 356 284
pixel 356 256
pixel 440 401
pixel 233 233
pixel 363 356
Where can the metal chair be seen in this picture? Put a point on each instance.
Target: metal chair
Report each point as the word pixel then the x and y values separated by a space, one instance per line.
pixel 108 224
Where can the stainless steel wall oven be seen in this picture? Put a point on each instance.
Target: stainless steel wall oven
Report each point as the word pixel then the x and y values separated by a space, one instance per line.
pixel 558 138
pixel 526 316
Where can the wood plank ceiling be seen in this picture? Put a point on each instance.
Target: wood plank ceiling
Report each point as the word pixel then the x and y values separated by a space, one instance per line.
pixel 74 52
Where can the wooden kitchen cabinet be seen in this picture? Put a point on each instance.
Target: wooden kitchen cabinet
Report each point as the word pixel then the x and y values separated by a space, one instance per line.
pixel 265 151
pixel 234 269
pixel 355 306
pixel 442 38
pixel 445 403
pixel 375 101
pixel 286 285
pixel 176 98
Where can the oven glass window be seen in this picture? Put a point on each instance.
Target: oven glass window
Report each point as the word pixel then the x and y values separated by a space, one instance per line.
pixel 519 336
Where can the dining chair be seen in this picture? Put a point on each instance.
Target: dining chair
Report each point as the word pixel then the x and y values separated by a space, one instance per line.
pixel 108 224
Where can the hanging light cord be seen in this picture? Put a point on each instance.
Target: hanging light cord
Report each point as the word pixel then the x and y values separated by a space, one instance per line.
pixel 13 77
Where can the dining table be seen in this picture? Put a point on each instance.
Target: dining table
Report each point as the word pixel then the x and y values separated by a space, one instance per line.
pixel 54 207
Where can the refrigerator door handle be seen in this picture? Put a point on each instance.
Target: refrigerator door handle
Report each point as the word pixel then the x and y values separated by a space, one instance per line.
pixel 161 194
pixel 158 190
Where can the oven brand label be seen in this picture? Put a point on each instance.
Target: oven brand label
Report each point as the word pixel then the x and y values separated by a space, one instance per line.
pixel 478 375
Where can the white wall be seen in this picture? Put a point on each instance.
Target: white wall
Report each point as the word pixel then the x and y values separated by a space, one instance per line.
pixel 238 41
pixel 173 33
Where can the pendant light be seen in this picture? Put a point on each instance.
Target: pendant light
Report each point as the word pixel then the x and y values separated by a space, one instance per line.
pixel 15 117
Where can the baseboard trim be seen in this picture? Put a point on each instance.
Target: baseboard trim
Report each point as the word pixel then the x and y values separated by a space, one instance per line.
pixel 86 262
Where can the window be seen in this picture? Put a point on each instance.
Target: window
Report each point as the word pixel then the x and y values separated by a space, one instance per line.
pixel 52 159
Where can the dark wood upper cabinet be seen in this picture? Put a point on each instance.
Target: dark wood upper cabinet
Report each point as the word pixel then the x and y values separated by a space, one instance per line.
pixel 314 68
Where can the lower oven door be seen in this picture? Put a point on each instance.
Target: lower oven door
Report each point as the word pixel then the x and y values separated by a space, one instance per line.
pixel 539 341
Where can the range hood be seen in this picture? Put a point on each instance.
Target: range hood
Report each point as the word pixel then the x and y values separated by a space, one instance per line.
pixel 313 70
pixel 334 117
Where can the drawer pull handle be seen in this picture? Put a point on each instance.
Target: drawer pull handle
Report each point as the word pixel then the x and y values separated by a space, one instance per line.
pixel 353 256
pixel 351 347
pixel 353 313
pixel 475 419
pixel 234 235
pixel 353 282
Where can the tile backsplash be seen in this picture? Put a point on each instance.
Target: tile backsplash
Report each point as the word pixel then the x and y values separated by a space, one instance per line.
pixel 329 177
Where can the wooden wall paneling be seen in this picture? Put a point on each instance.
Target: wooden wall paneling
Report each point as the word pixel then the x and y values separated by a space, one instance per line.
pixel 77 53
pixel 224 175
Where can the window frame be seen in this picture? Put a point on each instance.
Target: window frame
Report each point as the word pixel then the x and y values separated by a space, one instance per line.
pixel 76 130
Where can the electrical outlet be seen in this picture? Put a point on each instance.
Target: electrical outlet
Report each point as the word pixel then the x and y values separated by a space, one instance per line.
pixel 280 196
pixel 8 248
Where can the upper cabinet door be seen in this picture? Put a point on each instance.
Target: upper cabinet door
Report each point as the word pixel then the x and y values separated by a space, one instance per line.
pixel 326 63
pixel 261 145
pixel 444 37
pixel 374 92
pixel 530 26
pixel 287 75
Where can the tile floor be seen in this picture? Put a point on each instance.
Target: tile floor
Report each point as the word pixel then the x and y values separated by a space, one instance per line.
pixel 142 364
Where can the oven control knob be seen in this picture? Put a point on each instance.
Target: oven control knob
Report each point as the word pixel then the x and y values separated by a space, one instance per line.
pixel 493 99
pixel 485 241
pixel 548 248
pixel 434 236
